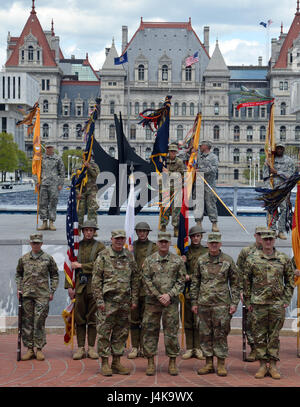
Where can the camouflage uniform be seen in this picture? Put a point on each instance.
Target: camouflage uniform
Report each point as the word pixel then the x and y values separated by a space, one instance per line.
pixel 85 305
pixel 162 275
pixel 32 279
pixel 268 285
pixel 141 251
pixel 210 292
pixel 88 201
pixel 173 166
pixel 115 284
pixel 208 165
pixel 52 176
pixel 285 168
pixel 190 321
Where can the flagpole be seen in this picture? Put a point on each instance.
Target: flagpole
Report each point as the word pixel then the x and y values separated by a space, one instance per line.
pixel 128 102
pixel 200 82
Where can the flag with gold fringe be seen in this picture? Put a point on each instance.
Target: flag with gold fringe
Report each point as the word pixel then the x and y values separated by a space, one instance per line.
pixel 37 150
pixel 296 250
pixel 29 116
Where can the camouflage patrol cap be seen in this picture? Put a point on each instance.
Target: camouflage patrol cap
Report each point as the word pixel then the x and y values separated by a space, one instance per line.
pixel 89 224
pixel 118 233
pixel 214 237
pixel 279 145
pixel 49 144
pixel 36 238
pixel 261 229
pixel 142 226
pixel 173 147
pixel 206 142
pixel 196 229
pixel 164 236
pixel 268 233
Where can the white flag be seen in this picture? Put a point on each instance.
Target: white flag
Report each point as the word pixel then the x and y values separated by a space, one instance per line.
pixel 129 219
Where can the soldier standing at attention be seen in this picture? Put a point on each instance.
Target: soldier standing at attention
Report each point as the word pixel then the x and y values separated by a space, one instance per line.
pixel 88 197
pixel 85 305
pixel 142 248
pixel 164 276
pixel 37 280
pixel 244 253
pixel 115 285
pixel 268 290
pixel 174 166
pixel 52 181
pixel 282 169
pixel 208 165
pixel 215 292
pixel 195 250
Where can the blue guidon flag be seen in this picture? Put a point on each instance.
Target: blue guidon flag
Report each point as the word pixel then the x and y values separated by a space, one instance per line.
pixel 122 59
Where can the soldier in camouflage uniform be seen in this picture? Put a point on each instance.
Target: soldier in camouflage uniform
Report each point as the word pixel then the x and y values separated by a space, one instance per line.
pixel 37 280
pixel 215 292
pixel 85 305
pixel 88 197
pixel 115 285
pixel 268 290
pixel 164 276
pixel 244 253
pixel 191 329
pixel 282 169
pixel 174 166
pixel 208 165
pixel 142 248
pixel 52 181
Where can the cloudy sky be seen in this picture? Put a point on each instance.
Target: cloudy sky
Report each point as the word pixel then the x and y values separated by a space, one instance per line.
pixel 89 26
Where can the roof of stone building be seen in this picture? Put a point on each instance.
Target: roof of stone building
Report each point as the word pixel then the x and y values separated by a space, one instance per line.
pixel 288 41
pixel 32 26
pixel 80 68
pixel 75 90
pixel 217 66
pixel 109 63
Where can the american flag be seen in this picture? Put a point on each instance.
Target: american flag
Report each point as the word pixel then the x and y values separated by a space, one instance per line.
pixel 270 22
pixel 191 60
pixel 72 235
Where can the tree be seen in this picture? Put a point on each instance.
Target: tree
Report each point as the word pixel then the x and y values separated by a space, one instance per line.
pixel 8 154
pixel 24 164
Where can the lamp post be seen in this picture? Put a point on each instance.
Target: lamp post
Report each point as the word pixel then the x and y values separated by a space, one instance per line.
pixel 69 156
pixel 250 174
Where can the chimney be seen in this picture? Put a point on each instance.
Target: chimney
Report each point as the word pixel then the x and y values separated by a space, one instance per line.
pixel 124 37
pixel 259 61
pixel 206 38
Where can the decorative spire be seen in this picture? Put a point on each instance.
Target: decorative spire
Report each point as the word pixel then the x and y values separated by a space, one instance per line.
pixel 297 6
pixel 33 7
pixel 52 28
pixel 281 32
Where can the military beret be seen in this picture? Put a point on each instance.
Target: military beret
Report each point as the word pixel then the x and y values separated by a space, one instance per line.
pixel 89 224
pixel 36 238
pixel 49 144
pixel 196 229
pixel 214 237
pixel 279 145
pixel 268 233
pixel 206 142
pixel 261 229
pixel 173 147
pixel 142 226
pixel 118 233
pixel 164 236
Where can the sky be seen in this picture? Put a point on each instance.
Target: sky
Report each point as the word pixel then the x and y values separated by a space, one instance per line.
pixel 89 26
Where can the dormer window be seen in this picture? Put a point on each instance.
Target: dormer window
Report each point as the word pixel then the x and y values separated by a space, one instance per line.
pixel 30 53
pixel 141 72
pixel 164 73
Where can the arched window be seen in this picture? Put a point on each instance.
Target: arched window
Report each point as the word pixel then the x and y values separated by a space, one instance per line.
pixel 144 106
pixel 45 106
pixel 262 133
pixel 217 109
pixel 297 133
pixel 30 53
pixel 112 107
pixel 236 174
pixel 183 109
pixel 152 106
pixel 133 132
pixel 282 133
pixel 65 148
pixel 147 153
pixel 78 131
pixel 216 151
pixel 280 85
pixel 188 74
pixel 286 85
pixel 111 132
pixel 283 109
pixel 112 152
pixel 192 109
pixel 249 133
pixel 249 154
pixel 164 73
pixel 176 109
pixel 65 131
pixel 179 132
pixel 236 156
pixel 141 72
pixel 45 130
pixel 136 108
pixel 148 134
pixel 236 133
pixel 216 132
